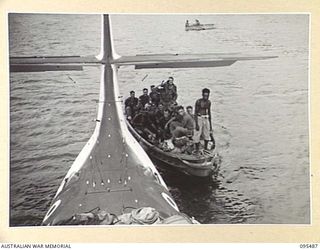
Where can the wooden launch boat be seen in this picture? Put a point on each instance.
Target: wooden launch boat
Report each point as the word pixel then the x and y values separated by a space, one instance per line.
pixel 205 164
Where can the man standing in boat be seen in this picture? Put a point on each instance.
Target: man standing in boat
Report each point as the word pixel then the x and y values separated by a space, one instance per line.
pixel 131 105
pixel 154 95
pixel 168 93
pixel 202 117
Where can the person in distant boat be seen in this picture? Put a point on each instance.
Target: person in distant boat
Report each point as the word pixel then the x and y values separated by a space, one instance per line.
pixel 187 23
pixel 202 117
pixel 197 22
pixel 144 98
pixel 168 93
pixel 131 105
pixel 182 125
pixel 154 95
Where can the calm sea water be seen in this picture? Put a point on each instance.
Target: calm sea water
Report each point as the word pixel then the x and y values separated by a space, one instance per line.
pixel 260 110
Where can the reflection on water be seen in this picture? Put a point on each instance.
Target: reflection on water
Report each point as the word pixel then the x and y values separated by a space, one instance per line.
pixel 260 110
pixel 209 200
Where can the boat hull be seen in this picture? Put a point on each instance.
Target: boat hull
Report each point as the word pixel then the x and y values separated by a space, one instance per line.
pixel 197 166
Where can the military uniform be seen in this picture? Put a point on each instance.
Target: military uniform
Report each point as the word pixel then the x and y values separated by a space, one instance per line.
pixel 168 94
pixel 164 133
pixel 182 126
pixel 131 106
pixel 144 99
pixel 154 97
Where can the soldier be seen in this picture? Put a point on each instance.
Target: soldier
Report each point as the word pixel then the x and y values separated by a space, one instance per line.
pixel 202 117
pixel 131 105
pixel 168 93
pixel 154 95
pixel 144 98
pixel 182 125
pixel 144 122
pixel 159 113
pixel 163 125
pixel 190 111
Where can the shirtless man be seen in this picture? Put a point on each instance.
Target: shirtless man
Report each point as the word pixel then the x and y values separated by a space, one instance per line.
pixel 202 117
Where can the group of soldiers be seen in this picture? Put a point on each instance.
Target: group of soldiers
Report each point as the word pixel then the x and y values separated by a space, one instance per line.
pixel 159 118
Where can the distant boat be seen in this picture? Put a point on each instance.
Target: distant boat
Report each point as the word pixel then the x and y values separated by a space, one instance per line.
pixel 198 26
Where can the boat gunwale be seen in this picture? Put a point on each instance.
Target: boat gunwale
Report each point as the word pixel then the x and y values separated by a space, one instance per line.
pixel 205 165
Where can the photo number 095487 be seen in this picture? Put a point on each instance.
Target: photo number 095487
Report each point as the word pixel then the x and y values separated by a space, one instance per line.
pixel 308 245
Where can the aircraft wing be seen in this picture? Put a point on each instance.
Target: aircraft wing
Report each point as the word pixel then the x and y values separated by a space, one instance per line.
pixel 63 63
pixel 185 60
pixel 51 63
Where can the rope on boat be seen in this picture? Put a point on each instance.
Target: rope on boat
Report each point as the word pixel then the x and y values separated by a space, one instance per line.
pixel 138 216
